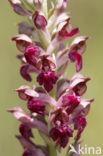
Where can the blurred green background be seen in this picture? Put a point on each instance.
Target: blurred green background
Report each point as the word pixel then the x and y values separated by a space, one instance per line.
pixel 88 16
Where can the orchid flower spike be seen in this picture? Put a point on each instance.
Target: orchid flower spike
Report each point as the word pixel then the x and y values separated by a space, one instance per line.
pixel 55 105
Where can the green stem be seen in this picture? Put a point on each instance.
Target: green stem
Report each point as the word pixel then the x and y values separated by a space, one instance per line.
pixel 45 138
pixel 52 150
pixel 43 38
pixel 45 8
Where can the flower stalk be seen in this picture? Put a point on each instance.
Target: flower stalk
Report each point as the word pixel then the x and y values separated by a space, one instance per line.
pixel 55 104
pixel 52 150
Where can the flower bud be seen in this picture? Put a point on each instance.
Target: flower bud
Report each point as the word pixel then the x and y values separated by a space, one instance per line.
pixel 39 21
pixel 38 3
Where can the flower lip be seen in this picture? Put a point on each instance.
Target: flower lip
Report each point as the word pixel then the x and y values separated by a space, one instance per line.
pixel 80 121
pixel 70 102
pixel 48 79
pixel 30 54
pixel 76 57
pixel 36 106
pixel 63 34
pixel 25 131
pixel 61 134
pixel 59 115
pixel 46 62
pixel 24 72
pixel 79 124
pixel 74 32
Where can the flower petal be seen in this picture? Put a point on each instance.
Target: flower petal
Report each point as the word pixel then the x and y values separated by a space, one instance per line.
pixel 73 32
pixel 19 8
pixel 76 57
pixel 79 44
pixel 78 84
pixel 24 72
pixel 25 118
pixel 21 92
pixel 27 29
pixel 83 108
pixel 30 146
pixel 22 42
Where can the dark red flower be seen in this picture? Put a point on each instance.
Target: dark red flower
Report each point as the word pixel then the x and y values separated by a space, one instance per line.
pixel 46 62
pixel 30 54
pixel 74 32
pixel 63 34
pixel 36 106
pixel 59 115
pixel 25 131
pixel 79 124
pixel 48 79
pixel 24 72
pixel 71 102
pixel 61 134
pixel 77 58
pixel 39 21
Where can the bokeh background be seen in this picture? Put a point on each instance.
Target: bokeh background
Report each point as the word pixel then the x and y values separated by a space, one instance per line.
pixel 88 16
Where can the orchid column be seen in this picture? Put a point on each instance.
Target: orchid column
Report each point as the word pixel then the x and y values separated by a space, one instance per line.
pixel 55 103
